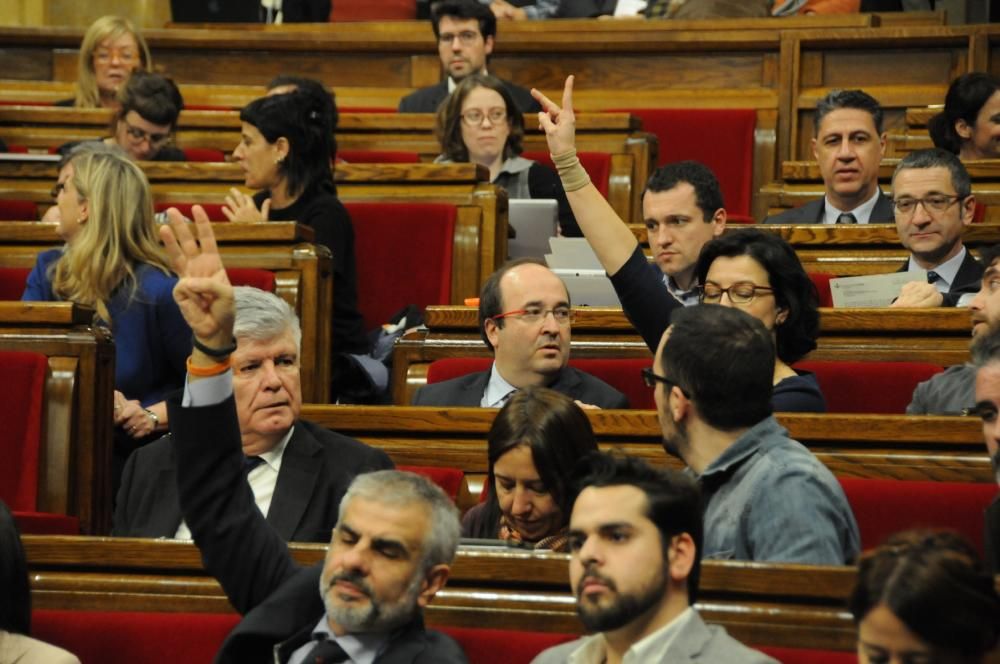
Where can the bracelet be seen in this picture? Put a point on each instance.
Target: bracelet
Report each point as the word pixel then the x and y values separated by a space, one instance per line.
pixel 154 417
pixel 214 352
pixel 572 174
pixel 209 371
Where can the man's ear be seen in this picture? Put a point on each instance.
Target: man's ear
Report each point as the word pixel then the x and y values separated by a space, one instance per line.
pixel 488 45
pixel 492 329
pixel 433 581
pixel 968 209
pixel 681 556
pixel 679 404
pixel 812 145
pixel 719 219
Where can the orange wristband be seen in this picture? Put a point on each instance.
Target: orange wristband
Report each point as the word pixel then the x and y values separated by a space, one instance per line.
pixel 207 372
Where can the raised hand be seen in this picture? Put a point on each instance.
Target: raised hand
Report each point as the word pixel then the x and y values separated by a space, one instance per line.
pixel 240 207
pixel 559 124
pixel 203 293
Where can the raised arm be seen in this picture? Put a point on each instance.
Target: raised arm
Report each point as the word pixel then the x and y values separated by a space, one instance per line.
pixel 607 234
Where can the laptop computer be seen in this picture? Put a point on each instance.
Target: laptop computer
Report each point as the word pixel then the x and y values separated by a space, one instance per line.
pixel 215 11
pixel 576 264
pixel 534 221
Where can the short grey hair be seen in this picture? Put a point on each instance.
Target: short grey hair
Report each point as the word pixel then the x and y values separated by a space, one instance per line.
pixel 938 158
pixel 263 316
pixel 402 489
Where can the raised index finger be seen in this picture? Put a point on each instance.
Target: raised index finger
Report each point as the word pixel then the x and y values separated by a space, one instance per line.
pixel 568 94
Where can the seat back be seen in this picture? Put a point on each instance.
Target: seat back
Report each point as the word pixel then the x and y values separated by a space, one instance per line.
pixel 379 156
pixel 868 387
pixel 14 209
pixel 22 403
pixel 204 154
pixel 502 646
pixel 366 10
pixel 821 280
pixel 808 655
pixel 403 254
pixel 451 480
pixel 12 282
pixel 251 276
pixel 597 165
pixel 213 210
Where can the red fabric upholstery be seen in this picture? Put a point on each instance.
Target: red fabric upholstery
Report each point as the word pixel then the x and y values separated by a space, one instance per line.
pixel 366 109
pixel 366 10
pixel 623 375
pixel 501 646
pixel 204 154
pixel 17 149
pixel 22 396
pixel 597 165
pixel 741 219
pixel 251 276
pixel 979 214
pixel 449 479
pixel 12 282
pixel 722 139
pixel 868 387
pixel 213 210
pixel 883 507
pixel 404 256
pixel 18 210
pixel 126 637
pixel 45 523
pixel 808 656
pixel 821 280
pixel 379 156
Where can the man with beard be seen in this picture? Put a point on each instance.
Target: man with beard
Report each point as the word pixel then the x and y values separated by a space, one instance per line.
pixel 767 498
pixel 635 540
pixel 952 392
pixel 986 356
pixel 391 550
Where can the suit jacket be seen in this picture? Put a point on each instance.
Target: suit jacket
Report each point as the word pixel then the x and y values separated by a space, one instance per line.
pixel 427 100
pixel 812 213
pixel 967 279
pixel 316 469
pixel 697 642
pixel 278 598
pixel 993 535
pixel 468 390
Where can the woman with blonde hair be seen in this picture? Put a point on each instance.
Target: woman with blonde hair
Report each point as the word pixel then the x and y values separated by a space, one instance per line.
pixel 111 49
pixel 113 262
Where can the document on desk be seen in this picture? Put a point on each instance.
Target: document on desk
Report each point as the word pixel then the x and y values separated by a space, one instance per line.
pixel 871 290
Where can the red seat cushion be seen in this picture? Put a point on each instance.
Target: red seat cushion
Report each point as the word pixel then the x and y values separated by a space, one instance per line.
pixel 379 156
pixel 502 646
pixel 884 507
pixel 22 398
pixel 597 165
pixel 809 656
pixel 366 10
pixel 203 154
pixel 46 523
pixel 821 280
pixel 449 479
pixel 12 282
pixel 404 255
pixel 868 387
pixel 213 210
pixel 12 209
pixel 251 276
pixel 722 139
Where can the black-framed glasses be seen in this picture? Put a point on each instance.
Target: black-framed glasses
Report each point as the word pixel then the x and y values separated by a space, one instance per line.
pixel 933 203
pixel 562 315
pixel 138 134
pixel 651 378
pixel 474 117
pixel 466 37
pixel 742 292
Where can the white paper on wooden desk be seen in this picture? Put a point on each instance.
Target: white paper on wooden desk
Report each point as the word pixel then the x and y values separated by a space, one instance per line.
pixel 871 290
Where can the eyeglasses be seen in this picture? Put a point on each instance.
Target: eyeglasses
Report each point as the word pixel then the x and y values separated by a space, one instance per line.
pixel 125 56
pixel 137 134
pixel 933 203
pixel 984 410
pixel 474 117
pixel 651 379
pixel 562 315
pixel 57 189
pixel 466 37
pixel 742 292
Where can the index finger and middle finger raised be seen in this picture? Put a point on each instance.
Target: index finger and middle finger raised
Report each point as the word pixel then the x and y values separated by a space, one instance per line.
pixel 549 105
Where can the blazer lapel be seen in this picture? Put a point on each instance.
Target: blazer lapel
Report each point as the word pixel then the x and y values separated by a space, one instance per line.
pixel 689 643
pixel 299 473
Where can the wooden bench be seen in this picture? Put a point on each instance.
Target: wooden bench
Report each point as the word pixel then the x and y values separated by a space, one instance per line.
pixel 75 464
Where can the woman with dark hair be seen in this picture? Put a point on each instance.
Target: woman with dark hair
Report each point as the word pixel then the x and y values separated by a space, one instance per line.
pixel 479 122
pixel 925 597
pixel 535 441
pixel 15 603
pixel 969 125
pixel 760 273
pixel 285 154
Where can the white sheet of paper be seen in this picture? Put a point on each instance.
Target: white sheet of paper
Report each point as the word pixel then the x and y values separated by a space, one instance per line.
pixel 871 290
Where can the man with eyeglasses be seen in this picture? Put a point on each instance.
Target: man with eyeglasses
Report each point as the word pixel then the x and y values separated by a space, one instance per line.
pixel 524 318
pixel 986 360
pixel 933 202
pixel 466 34
pixel 767 498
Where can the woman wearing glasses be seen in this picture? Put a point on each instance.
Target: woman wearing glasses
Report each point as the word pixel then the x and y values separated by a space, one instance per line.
pixel 479 123
pixel 536 439
pixel 111 49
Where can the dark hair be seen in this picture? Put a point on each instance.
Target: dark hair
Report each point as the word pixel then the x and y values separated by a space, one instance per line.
pixel 320 92
pixel 302 118
pixel 794 291
pixel 723 359
pixel 937 158
pixel 936 585
pixel 708 195
pixel 555 429
pixel 448 124
pixel 490 298
pixel 966 96
pixel 15 598
pixel 989 255
pixel 859 99
pixel 154 97
pixel 673 499
pixel 464 9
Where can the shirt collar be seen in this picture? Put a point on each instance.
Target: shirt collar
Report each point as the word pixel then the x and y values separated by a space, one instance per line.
pixel 362 648
pixel 497 389
pixel 273 456
pixel 946 271
pixel 688 297
pixel 652 648
pixel 452 84
pixel 744 447
pixel 862 213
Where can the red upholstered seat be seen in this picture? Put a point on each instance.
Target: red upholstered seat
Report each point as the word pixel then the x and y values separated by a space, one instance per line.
pixel 46 523
pixel 868 387
pixel 722 139
pixel 979 214
pixel 821 280
pixel 213 210
pixel 379 156
pixel 809 656
pixel 12 209
pixel 502 646
pixel 366 10
pixel 12 282
pixel 449 479
pixel 204 154
pixel 597 165
pixel 883 507
pixel 22 400
pixel 741 219
pixel 251 276
pixel 403 254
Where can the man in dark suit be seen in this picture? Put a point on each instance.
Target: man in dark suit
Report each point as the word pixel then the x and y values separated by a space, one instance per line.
pixel 848 146
pixel 524 318
pixel 390 552
pixel 301 470
pixel 932 196
pixel 987 360
pixel 466 34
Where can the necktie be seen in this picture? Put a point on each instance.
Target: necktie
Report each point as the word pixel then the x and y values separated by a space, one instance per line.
pixel 847 218
pixel 932 276
pixel 251 462
pixel 326 652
